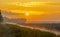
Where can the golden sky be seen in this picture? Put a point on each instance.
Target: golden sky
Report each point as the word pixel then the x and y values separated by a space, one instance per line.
pixel 29 0
pixel 33 10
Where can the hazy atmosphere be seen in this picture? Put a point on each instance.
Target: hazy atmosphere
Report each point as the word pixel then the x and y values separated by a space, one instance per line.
pixel 29 18
pixel 32 10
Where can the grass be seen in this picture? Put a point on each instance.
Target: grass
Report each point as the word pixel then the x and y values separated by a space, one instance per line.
pixel 18 31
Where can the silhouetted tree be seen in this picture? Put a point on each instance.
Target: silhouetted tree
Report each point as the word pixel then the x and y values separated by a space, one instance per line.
pixel 1 18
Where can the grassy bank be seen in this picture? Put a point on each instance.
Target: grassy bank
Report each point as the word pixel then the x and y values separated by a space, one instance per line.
pixel 18 31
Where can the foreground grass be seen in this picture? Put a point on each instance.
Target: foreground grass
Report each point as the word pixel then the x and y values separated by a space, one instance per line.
pixel 18 31
pixel 10 30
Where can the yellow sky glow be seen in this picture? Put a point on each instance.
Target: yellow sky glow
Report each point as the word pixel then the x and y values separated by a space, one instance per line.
pixel 34 10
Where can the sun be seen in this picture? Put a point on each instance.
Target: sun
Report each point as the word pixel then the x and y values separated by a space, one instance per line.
pixel 27 13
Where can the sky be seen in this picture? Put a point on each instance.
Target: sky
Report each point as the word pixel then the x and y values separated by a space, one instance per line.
pixel 33 10
pixel 29 0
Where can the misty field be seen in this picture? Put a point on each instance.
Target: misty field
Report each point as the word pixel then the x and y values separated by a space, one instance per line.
pixel 17 31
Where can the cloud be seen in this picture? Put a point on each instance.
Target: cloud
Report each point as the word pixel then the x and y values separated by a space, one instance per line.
pixel 40 7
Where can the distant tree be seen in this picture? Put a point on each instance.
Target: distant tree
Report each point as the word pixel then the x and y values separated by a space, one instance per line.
pixel 1 18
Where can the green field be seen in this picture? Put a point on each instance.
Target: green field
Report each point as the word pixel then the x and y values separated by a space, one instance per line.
pixel 25 32
pixel 17 31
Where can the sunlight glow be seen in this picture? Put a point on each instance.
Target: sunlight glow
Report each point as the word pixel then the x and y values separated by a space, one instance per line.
pixel 27 13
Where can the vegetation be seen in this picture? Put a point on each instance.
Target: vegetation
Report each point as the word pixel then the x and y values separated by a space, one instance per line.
pixel 1 18
pixel 25 32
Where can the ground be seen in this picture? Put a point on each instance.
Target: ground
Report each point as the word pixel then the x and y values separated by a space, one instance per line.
pixel 10 30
